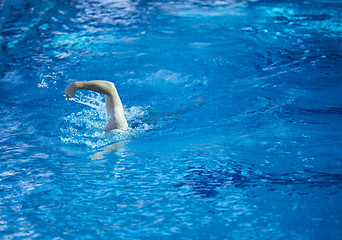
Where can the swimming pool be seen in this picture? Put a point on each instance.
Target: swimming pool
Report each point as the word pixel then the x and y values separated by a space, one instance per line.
pixel 235 108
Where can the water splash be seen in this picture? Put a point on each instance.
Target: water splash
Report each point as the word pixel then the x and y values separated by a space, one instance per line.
pixel 93 100
pixel 86 126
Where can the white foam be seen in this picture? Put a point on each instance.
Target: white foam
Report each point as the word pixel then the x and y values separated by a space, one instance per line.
pixel 93 100
pixel 85 127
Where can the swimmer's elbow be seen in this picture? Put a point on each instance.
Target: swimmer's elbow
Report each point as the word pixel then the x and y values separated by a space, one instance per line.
pixel 111 87
pixel 111 91
pixel 108 88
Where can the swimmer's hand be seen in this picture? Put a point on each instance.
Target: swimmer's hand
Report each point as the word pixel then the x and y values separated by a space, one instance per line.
pixel 70 90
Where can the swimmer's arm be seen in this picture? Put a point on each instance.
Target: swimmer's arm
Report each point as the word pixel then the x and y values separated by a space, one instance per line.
pixel 100 86
pixel 115 113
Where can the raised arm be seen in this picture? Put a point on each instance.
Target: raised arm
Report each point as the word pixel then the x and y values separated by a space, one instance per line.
pixel 99 86
pixel 115 113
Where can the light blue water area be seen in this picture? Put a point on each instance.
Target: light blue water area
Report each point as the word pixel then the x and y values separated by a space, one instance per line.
pixel 235 109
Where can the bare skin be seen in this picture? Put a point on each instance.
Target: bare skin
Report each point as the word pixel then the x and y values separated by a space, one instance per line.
pixel 99 155
pixel 115 114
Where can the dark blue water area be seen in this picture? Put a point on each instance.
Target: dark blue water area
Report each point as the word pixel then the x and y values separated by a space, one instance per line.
pixel 235 109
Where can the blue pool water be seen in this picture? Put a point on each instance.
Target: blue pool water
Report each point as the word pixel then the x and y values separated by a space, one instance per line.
pixel 235 107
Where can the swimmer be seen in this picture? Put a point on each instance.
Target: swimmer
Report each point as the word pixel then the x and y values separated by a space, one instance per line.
pixel 115 112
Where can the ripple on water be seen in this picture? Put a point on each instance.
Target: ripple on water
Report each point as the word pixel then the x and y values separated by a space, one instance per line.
pixel 263 149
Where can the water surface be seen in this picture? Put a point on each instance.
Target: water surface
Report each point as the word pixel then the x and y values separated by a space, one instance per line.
pixel 235 108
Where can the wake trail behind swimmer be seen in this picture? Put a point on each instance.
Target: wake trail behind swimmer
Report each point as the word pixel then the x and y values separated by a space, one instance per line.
pixel 115 113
